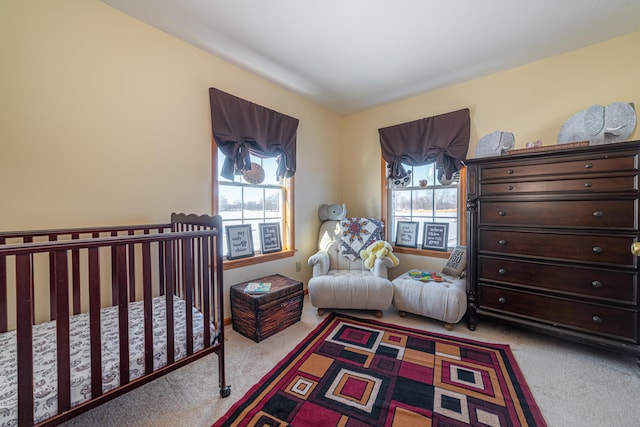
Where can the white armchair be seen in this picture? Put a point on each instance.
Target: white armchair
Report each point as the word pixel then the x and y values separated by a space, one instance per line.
pixel 338 282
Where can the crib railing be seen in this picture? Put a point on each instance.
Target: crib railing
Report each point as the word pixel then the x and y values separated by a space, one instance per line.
pixel 22 237
pixel 131 264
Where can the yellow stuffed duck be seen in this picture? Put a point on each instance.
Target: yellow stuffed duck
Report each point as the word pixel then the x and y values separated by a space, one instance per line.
pixel 379 249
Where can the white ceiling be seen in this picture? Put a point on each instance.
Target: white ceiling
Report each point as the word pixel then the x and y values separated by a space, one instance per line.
pixel 350 55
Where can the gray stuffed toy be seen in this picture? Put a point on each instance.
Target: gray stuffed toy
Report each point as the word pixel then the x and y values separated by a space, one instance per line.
pixel 495 144
pixel 332 212
pixel 600 125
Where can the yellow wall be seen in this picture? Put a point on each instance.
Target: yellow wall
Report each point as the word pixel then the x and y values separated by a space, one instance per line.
pixel 532 101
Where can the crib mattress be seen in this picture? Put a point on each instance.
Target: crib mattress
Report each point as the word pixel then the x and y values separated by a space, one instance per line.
pixel 44 350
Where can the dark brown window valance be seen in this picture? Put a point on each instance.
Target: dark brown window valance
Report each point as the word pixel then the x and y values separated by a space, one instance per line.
pixel 443 139
pixel 241 128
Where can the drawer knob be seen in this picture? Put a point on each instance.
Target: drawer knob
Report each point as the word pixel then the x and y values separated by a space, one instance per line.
pixel 597 319
pixel 588 184
pixel 597 250
pixel 596 284
pixel 588 165
pixel 502 271
pixel 502 242
pixel 598 214
pixel 510 171
pixel 502 213
pixel 509 187
pixel 502 300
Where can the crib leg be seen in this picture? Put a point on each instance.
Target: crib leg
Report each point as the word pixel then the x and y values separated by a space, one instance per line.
pixel 225 392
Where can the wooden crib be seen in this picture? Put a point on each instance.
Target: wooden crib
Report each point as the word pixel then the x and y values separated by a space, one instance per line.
pixel 88 314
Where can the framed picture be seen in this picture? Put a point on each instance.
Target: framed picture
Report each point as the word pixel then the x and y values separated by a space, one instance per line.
pixel 270 238
pixel 435 236
pixel 239 241
pixel 407 234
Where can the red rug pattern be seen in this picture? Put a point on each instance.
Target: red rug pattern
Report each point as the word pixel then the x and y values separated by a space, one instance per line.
pixel 352 372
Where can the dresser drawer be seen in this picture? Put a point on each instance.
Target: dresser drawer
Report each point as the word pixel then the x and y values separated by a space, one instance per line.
pixel 586 248
pixel 585 185
pixel 605 285
pixel 618 214
pixel 596 318
pixel 589 165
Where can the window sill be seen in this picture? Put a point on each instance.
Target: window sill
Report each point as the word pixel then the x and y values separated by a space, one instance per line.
pixel 421 252
pixel 257 259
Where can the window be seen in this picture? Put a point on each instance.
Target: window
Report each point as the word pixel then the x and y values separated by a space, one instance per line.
pixel 426 200
pixel 241 202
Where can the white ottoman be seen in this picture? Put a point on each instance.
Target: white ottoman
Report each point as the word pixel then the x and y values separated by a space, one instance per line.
pixel 445 301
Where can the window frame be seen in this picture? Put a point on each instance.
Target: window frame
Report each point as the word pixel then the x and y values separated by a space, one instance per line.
pixel 288 220
pixel 462 216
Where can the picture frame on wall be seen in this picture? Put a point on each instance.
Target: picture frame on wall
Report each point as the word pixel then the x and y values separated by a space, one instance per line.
pixel 270 240
pixel 407 234
pixel 435 236
pixel 239 241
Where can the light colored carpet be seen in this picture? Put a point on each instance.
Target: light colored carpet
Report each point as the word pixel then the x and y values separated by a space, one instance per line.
pixel 574 385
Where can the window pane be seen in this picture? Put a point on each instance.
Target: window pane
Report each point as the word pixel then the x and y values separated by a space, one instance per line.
pixel 401 202
pixel 253 202
pixel 423 202
pixel 230 203
pixel 270 167
pixel 273 203
pixel 423 172
pixel 447 202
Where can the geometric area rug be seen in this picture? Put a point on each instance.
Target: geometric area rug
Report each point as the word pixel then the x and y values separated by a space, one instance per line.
pixel 352 372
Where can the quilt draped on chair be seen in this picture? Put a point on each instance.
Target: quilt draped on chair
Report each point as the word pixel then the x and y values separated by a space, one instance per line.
pixel 358 234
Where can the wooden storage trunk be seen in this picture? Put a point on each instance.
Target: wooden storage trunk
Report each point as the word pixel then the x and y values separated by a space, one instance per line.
pixel 258 316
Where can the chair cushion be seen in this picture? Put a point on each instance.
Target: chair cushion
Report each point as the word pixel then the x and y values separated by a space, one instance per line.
pixel 350 289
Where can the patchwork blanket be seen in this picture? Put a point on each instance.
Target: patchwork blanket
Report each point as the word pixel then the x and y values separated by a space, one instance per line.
pixel 357 234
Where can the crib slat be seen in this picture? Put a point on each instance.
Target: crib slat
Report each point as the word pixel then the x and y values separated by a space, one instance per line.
pixel 170 282
pixel 52 284
pixel 29 239
pixel 132 270
pixel 206 280
pixel 148 308
pixel 24 309
pixel 198 273
pixel 94 323
pixel 123 312
pixel 61 280
pixel 188 276
pixel 75 275
pixel 114 273
pixel 4 315
pixel 161 268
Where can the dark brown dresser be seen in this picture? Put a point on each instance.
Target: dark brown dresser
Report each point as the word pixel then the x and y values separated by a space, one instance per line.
pixel 549 242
